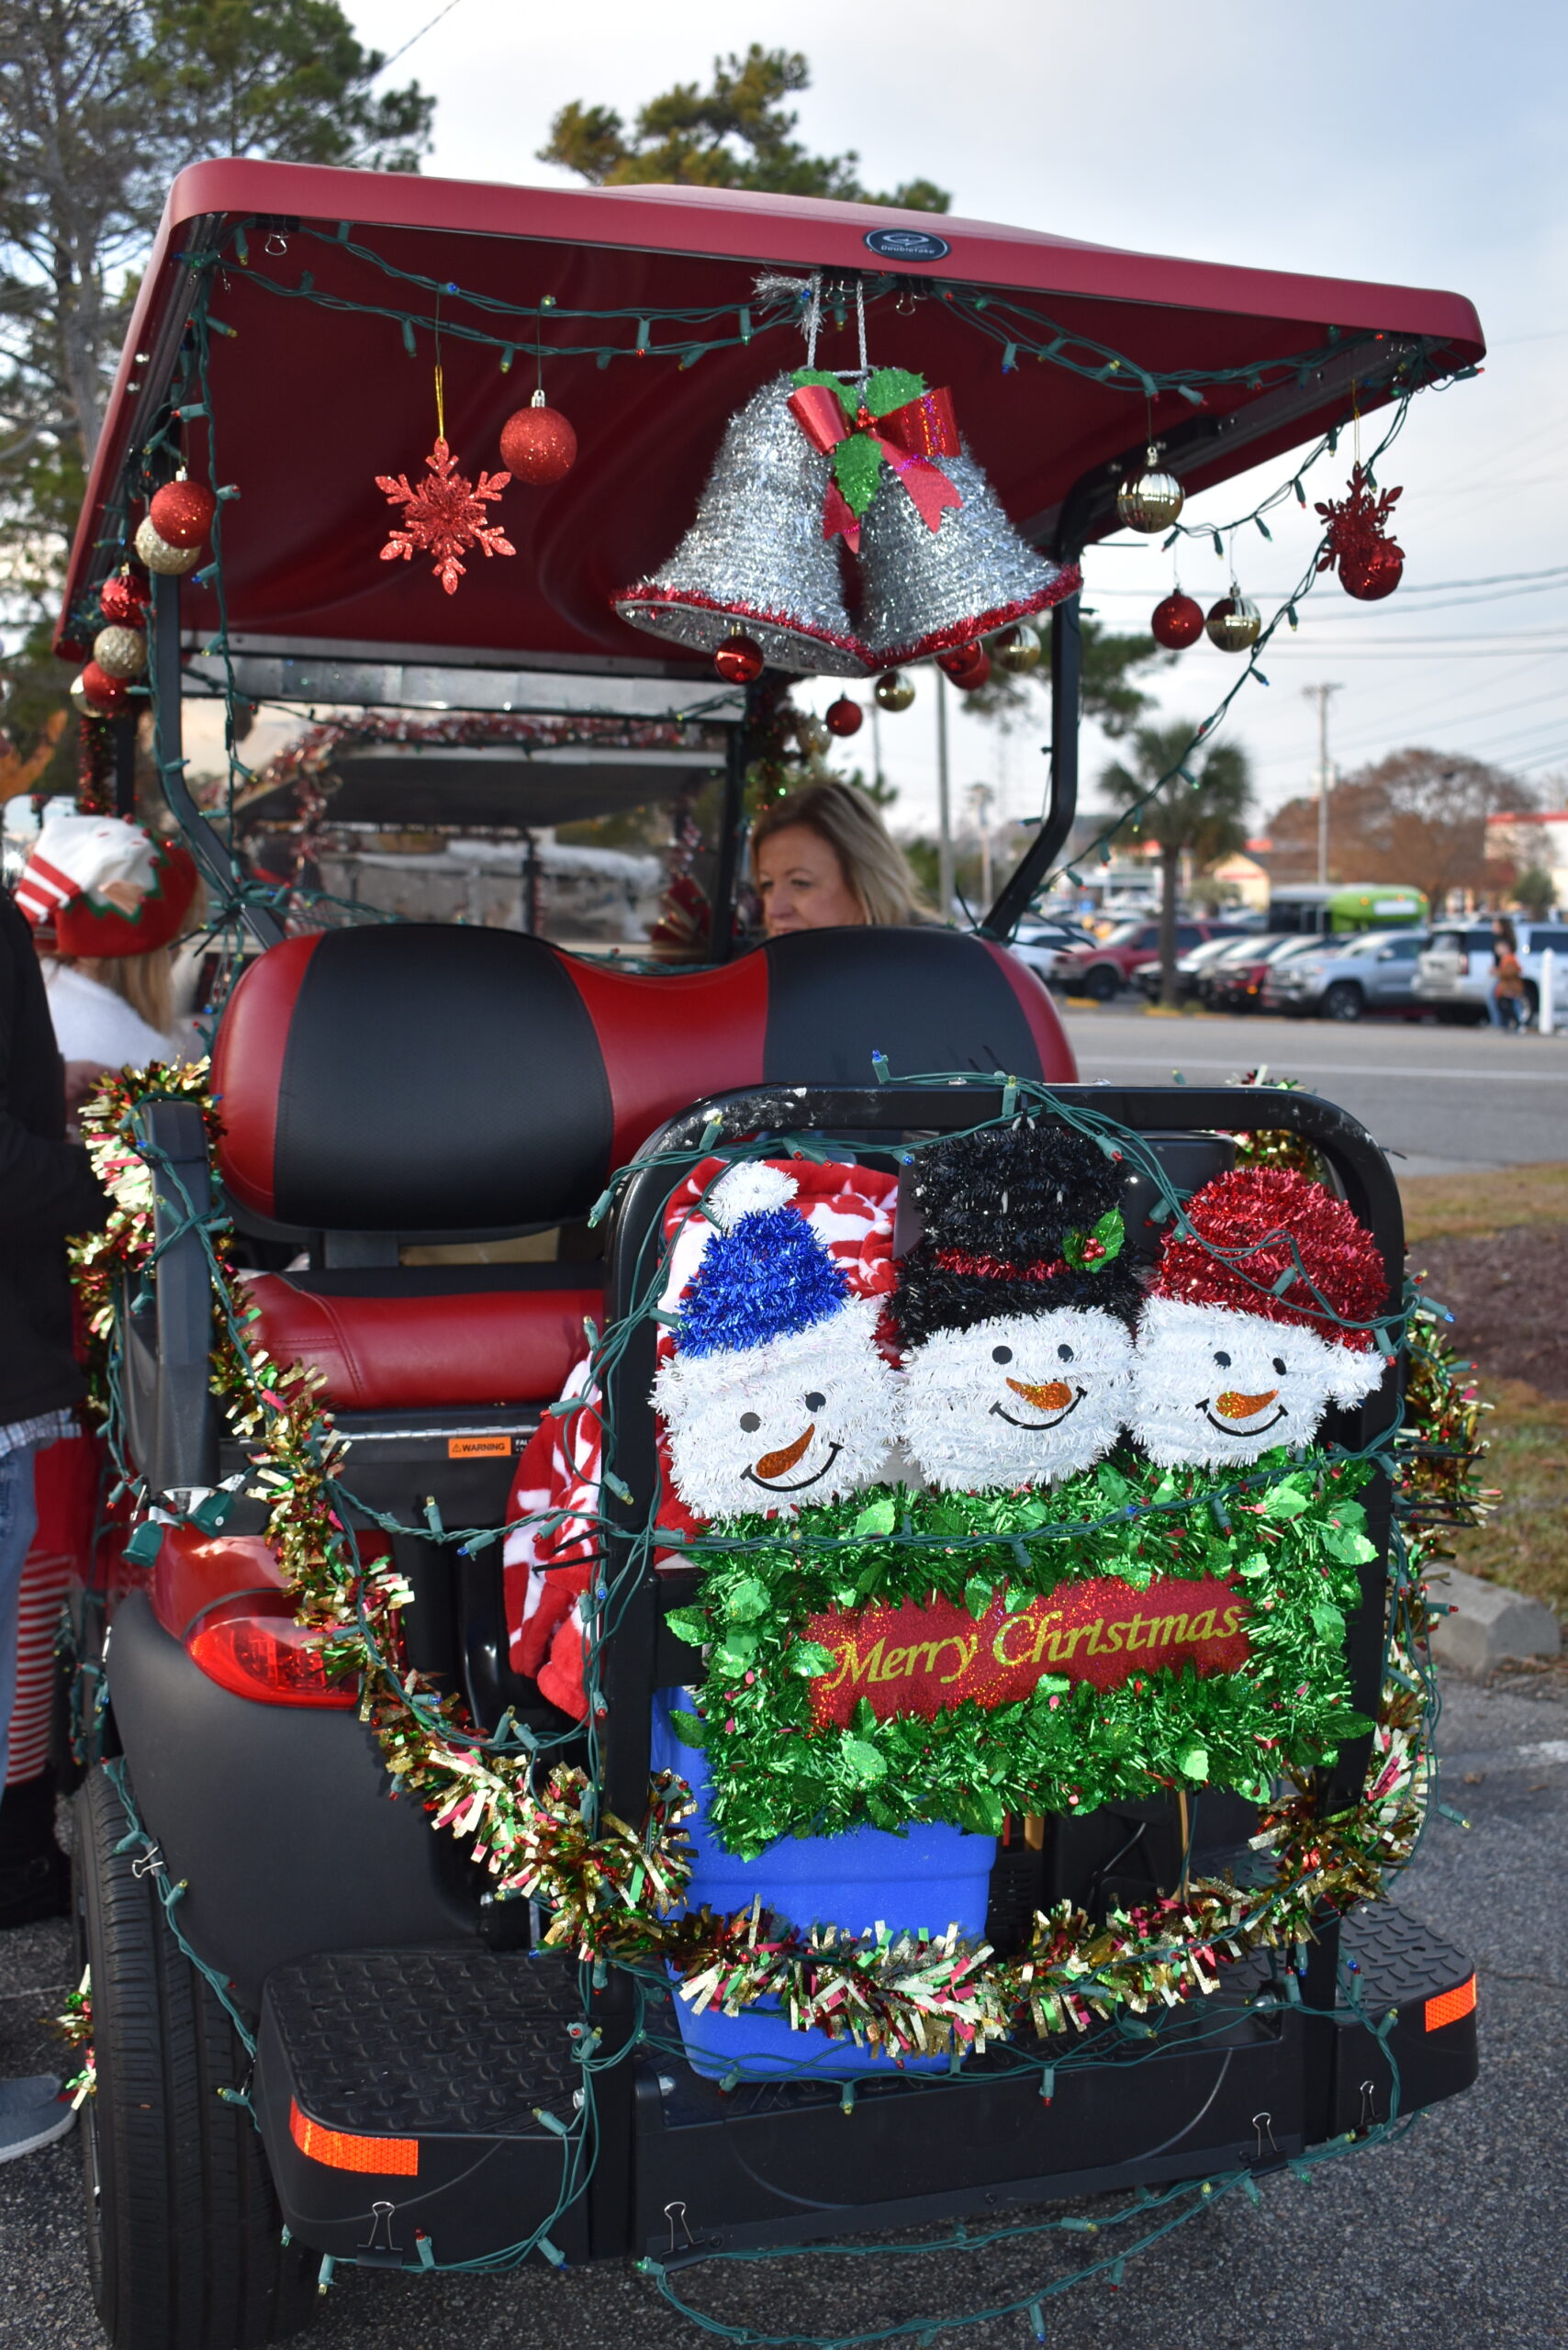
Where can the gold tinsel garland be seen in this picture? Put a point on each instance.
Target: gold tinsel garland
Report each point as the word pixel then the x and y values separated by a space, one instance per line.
pixel 615 1889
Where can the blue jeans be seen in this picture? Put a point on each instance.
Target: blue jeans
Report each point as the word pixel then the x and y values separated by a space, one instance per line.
pixel 18 1523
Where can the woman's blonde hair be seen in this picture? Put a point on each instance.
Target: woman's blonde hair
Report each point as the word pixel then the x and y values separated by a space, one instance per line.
pixel 872 863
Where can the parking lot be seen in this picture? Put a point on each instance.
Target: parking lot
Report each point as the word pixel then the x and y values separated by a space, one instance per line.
pixel 1445 2240
pixel 1443 1099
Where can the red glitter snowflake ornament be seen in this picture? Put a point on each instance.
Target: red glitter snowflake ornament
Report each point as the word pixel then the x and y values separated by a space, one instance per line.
pixel 444 516
pixel 1369 561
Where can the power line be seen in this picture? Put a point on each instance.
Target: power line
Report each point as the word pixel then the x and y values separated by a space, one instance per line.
pixel 409 44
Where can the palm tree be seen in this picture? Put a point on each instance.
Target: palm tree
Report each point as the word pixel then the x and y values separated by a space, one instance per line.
pixel 1183 803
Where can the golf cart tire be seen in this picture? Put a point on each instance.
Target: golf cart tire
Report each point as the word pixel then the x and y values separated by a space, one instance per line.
pixel 1343 1001
pixel 184 2237
pixel 1102 981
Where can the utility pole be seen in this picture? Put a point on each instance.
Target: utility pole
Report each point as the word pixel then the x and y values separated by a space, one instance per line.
pixel 1320 695
pixel 982 799
pixel 944 807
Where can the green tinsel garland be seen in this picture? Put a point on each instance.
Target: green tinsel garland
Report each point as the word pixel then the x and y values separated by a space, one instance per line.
pixel 1291 1533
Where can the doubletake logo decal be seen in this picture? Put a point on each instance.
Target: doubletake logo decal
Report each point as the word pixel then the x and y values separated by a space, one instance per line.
pixel 918 1660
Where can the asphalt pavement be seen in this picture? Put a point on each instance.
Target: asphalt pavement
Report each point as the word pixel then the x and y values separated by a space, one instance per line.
pixel 1441 1101
pixel 1449 2240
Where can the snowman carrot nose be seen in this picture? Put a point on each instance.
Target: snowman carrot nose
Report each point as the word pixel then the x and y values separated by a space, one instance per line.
pixel 1241 1407
pixel 1052 1397
pixel 778 1464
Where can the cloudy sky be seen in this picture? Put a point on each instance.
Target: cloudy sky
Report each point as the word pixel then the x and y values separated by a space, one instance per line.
pixel 1418 141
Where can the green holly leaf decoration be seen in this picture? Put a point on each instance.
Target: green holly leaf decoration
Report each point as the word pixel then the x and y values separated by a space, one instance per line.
pixel 866 1765
pixel 877 1518
pixel 690 1729
pixel 856 466
pixel 1287 1499
pixel 747 1601
pixel 1091 1251
pixel 689 1624
pixel 809 1658
pixel 890 387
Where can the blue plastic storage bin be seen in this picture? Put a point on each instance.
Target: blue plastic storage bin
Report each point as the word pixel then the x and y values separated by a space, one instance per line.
pixel 931 1877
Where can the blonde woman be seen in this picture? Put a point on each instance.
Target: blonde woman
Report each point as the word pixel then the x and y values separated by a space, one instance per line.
pixel 107 903
pixel 824 859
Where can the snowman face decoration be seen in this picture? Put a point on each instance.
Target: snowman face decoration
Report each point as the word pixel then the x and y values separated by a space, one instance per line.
pixel 1017 1400
pixel 1214 1387
pixel 806 1417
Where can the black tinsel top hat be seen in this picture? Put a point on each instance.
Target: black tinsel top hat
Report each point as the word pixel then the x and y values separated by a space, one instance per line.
pixel 1021 1219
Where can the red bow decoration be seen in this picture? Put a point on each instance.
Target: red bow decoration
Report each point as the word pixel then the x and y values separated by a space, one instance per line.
pixel 906 433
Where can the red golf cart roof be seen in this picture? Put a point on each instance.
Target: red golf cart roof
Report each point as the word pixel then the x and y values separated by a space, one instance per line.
pixel 311 402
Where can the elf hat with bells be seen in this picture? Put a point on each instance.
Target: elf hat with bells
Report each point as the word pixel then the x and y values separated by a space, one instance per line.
pixel 1261 1315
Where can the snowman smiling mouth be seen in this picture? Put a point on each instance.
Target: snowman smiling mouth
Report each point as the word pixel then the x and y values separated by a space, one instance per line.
pixel 1055 1396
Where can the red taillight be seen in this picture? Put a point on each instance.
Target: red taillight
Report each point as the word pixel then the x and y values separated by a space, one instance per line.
pixel 268 1658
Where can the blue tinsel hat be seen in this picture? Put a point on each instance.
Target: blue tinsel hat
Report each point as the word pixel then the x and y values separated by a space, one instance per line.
pixel 765 1274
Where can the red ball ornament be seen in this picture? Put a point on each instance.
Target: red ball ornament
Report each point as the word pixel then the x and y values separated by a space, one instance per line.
pixel 845 717
pixel 1370 576
pixel 106 694
pixel 966 667
pixel 738 660
pixel 1177 622
pixel 538 446
pixel 124 600
pixel 181 512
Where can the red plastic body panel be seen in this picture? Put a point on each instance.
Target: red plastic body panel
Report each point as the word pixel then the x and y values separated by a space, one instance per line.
pixel 396 1354
pixel 668 1042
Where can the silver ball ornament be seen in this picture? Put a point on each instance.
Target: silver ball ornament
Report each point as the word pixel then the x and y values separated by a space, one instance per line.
pixel 120 652
pixel 893 690
pixel 159 555
pixel 1150 500
pixel 1016 651
pixel 1234 623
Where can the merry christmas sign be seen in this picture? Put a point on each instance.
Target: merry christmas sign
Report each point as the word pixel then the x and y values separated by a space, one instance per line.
pixel 920 1657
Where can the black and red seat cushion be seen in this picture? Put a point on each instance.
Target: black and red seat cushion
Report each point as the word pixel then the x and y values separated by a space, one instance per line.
pixel 427 1079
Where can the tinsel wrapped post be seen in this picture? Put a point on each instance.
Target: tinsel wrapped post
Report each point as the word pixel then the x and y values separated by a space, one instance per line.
pixel 925 590
pixel 755 558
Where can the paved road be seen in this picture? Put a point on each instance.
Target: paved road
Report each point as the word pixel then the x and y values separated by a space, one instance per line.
pixel 1447 2241
pixel 1446 1100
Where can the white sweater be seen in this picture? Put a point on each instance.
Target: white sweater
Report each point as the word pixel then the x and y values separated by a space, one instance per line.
pixel 93 1024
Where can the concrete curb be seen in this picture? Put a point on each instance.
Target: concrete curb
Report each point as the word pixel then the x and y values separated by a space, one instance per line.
pixel 1489 1622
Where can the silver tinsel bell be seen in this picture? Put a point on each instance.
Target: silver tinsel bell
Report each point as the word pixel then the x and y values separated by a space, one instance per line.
pixel 756 558
pixel 926 590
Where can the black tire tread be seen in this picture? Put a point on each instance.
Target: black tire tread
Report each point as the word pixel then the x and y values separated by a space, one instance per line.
pixel 189 2251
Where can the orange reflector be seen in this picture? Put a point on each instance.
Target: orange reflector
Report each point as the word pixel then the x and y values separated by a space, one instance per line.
pixel 388 2157
pixel 1449 2006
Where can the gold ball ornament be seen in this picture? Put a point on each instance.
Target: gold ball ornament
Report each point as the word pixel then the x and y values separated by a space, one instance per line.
pixel 1016 651
pixel 1150 500
pixel 893 690
pixel 120 652
pixel 159 555
pixel 1234 623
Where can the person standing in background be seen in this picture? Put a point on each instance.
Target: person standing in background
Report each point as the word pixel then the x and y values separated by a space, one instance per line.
pixel 47 1190
pixel 106 903
pixel 1508 987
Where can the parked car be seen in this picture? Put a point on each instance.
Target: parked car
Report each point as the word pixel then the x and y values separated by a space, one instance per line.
pixel 1189 968
pixel 1453 977
pixel 1375 972
pixel 1038 944
pixel 1235 982
pixel 1103 969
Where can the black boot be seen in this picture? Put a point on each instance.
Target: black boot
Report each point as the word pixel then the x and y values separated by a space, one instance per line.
pixel 35 1875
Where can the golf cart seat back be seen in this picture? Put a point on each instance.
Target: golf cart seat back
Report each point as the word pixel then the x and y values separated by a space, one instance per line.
pixel 379 1084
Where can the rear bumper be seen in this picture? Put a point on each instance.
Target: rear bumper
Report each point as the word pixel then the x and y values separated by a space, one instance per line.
pixel 401 2094
pixel 279 1818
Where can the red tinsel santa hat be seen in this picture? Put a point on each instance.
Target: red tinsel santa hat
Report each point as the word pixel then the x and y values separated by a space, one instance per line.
pixel 1289 1252
pixel 96 886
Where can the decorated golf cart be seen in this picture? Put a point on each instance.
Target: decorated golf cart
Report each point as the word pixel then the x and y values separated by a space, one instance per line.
pixel 760 1616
